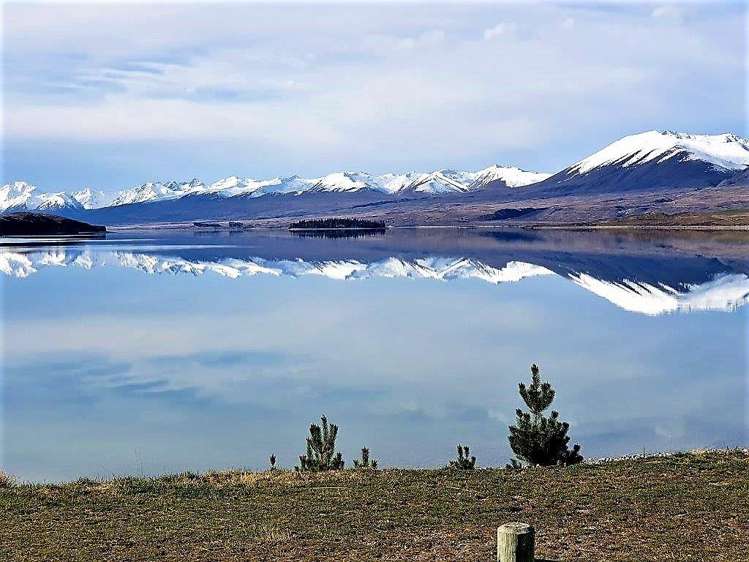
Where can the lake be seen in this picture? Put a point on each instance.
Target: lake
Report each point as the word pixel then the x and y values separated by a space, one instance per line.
pixel 163 351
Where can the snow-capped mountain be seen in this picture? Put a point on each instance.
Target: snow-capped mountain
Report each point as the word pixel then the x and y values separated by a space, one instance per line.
pixel 443 182
pixel 56 201
pixel 439 183
pixel 655 159
pixel 396 183
pixel 15 196
pixel 645 161
pixel 507 176
pixel 158 191
pixel 341 182
pixel 22 196
pixel 92 199
pixel 78 200
pixel 725 152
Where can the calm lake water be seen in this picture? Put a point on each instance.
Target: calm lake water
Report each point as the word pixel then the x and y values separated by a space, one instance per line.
pixel 154 352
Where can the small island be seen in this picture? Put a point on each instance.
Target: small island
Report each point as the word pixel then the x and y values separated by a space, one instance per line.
pixel 231 225
pixel 39 224
pixel 338 224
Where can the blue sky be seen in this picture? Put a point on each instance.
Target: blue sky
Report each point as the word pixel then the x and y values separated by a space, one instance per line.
pixel 111 95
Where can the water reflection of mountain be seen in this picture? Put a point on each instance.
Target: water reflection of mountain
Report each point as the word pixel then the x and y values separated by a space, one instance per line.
pixel 652 278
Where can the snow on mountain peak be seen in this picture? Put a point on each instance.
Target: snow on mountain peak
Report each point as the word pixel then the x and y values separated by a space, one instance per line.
pixel 22 196
pixel 726 151
pixel 61 200
pixel 91 199
pixel 153 191
pixel 510 176
pixel 15 196
pixel 393 183
pixel 440 182
pixel 345 181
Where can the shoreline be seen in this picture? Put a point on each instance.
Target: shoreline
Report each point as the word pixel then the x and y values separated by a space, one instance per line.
pixel 587 461
pixel 515 226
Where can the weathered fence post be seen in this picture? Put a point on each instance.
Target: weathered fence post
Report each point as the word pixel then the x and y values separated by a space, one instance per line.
pixel 515 542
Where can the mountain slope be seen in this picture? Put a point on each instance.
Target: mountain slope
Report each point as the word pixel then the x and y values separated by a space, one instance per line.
pixel 438 183
pixel 505 176
pixel 57 201
pixel 651 160
pixel 645 162
pixel 15 196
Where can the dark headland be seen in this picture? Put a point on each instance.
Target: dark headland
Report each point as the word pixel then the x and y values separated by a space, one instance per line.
pixel 39 224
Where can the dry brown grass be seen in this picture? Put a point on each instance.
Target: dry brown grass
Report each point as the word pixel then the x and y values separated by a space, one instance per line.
pixel 684 507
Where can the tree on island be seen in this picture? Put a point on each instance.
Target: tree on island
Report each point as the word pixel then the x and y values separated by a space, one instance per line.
pixel 321 454
pixel 338 223
pixel 537 439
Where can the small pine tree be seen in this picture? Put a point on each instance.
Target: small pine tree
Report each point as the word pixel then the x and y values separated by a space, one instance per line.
pixel 537 439
pixel 321 454
pixel 365 462
pixel 464 460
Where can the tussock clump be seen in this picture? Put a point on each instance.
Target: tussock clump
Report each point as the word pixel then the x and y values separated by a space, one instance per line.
pixel 277 477
pixel 6 480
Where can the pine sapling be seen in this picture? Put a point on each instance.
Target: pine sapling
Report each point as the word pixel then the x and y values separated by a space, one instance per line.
pixel 365 462
pixel 535 438
pixel 321 454
pixel 464 461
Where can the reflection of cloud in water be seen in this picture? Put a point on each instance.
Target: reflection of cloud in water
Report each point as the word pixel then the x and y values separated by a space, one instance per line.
pixel 721 291
pixel 209 372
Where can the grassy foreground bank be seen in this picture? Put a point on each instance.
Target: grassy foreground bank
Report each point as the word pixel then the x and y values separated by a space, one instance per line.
pixel 691 506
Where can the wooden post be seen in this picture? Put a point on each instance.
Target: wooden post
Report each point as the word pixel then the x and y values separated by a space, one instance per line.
pixel 515 543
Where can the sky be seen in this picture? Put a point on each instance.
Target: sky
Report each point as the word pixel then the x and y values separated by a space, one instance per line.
pixel 112 95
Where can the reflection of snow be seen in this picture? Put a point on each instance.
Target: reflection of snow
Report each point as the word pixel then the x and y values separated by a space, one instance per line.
pixel 16 265
pixel 724 292
pixel 426 268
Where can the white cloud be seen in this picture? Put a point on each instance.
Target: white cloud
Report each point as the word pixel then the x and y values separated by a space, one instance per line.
pixel 383 44
pixel 668 11
pixel 502 28
pixel 372 87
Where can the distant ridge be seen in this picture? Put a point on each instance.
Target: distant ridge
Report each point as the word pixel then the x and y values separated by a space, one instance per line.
pixel 650 161
pixel 21 195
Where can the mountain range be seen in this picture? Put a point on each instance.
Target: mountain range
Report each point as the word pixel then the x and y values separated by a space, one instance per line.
pixel 650 161
pixel 21 195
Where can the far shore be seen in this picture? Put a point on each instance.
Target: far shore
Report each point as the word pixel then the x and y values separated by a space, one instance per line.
pixel 508 226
